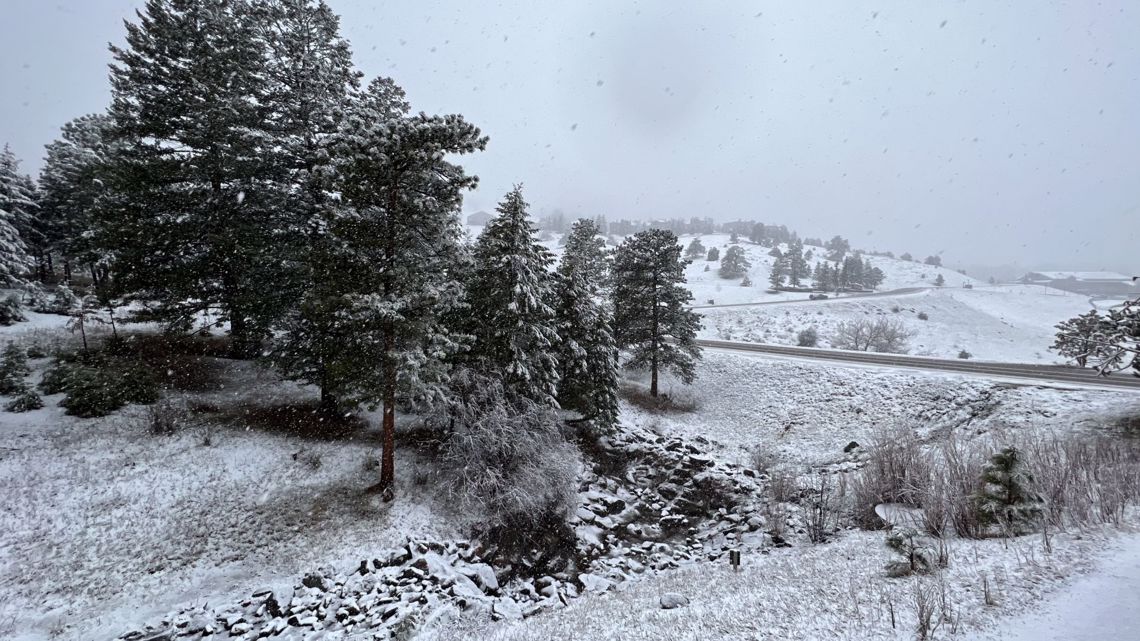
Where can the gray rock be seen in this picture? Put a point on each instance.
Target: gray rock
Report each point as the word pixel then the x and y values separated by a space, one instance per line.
pixel 506 610
pixel 594 583
pixel 671 600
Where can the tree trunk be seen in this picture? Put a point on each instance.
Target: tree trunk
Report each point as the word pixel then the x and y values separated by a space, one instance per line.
pixel 388 454
pixel 653 379
pixel 329 402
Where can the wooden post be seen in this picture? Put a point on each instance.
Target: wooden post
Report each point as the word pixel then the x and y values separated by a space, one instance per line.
pixel 734 560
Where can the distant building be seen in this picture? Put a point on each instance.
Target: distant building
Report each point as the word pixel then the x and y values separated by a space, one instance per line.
pixel 1089 283
pixel 479 218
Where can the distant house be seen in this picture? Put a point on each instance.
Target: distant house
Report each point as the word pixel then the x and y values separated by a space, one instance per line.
pixel 1089 283
pixel 479 218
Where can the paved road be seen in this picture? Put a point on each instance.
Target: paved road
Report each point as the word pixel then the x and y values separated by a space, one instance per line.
pixel 1052 373
pixel 831 298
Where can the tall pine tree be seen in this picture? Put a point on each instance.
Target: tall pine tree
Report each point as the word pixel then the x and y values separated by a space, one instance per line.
pixel 21 234
pixel 196 217
pixel 71 187
pixel 586 249
pixel 588 355
pixel 510 296
pixel 368 330
pixel 652 320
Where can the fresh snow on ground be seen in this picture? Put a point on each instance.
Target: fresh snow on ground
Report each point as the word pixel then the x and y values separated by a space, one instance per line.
pixel 832 592
pixel 1007 323
pixel 1100 606
pixel 807 411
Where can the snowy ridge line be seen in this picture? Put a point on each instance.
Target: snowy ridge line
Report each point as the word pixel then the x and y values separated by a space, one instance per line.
pixel 1050 373
pixel 904 291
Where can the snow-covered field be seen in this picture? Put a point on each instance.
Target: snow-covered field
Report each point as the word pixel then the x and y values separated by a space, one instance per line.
pixel 830 592
pixel 1008 323
pixel 105 525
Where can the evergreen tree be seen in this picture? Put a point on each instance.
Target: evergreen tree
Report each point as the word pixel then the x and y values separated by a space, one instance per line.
pixel 71 187
pixel 735 263
pixel 696 250
pixel 1081 337
pixel 587 355
pixel 796 265
pixel 586 249
pixel 510 296
pixel 16 205
pixel 1006 499
pixel 713 255
pixel 195 220
pixel 651 316
pixel 776 274
pixel 368 328
pixel 940 281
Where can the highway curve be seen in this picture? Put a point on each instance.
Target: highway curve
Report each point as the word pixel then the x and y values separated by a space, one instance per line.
pixel 1052 373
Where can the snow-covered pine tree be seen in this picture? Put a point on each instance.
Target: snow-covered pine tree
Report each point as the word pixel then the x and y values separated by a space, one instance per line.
pixel 587 354
pixel 17 211
pixel 777 273
pixel 586 249
pixel 369 330
pixel 1081 337
pixel 510 296
pixel 1006 498
pixel 696 250
pixel 310 78
pixel 195 216
pixel 735 263
pixel 713 255
pixel 71 187
pixel 797 267
pixel 652 320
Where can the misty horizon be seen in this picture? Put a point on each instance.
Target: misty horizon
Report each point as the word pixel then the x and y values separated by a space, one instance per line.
pixel 989 136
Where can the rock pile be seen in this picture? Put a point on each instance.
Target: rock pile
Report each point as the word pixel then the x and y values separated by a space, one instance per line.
pixel 649 504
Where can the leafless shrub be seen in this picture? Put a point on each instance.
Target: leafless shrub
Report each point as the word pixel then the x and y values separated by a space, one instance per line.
pixel 308 458
pixel 164 418
pixel 762 458
pixel 509 464
pixel 880 335
pixel 962 467
pixel 776 515
pixel 923 601
pixel 782 483
pixel 898 471
pixel 822 513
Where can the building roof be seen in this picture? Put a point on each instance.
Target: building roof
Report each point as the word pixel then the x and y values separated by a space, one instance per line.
pixel 1079 276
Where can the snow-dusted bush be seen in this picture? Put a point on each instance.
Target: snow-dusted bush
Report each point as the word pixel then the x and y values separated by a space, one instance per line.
pixel 881 335
pixel 98 386
pixel 964 355
pixel 919 556
pixel 923 316
pixel 13 369
pixel 506 463
pixel 1007 500
pixel 25 401
pixel 808 337
pixel 10 312
pixel 897 471
pixel 762 458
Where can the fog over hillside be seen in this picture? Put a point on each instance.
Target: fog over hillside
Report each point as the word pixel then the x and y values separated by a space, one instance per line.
pixel 989 133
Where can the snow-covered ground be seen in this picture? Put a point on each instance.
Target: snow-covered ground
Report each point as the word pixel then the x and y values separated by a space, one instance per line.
pixel 808 411
pixel 1102 605
pixel 1008 323
pixel 104 525
pixel 831 592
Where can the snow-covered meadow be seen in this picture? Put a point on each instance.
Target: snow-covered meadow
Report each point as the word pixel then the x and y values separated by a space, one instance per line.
pixel 106 525
pixel 1008 323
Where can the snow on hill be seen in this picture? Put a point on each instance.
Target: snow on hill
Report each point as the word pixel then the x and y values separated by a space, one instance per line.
pixel 1010 323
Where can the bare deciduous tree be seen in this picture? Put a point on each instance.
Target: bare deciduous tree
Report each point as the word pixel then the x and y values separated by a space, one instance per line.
pixel 882 335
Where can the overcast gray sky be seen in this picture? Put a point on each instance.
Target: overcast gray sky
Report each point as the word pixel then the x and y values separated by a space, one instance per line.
pixel 994 132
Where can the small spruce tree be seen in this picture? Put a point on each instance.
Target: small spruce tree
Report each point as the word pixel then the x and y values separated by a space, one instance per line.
pixel 1006 499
